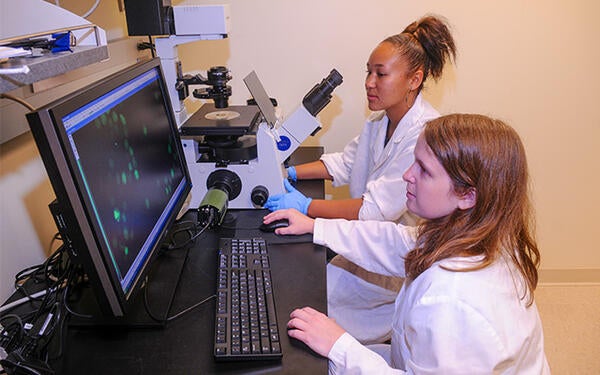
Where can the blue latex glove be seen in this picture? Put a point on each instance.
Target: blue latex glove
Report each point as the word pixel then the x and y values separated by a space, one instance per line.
pixel 291 171
pixel 292 199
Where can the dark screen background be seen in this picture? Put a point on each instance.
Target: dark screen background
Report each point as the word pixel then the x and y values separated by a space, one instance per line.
pixel 131 167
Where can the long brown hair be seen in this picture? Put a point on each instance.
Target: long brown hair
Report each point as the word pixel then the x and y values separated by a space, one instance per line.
pixel 426 44
pixel 488 156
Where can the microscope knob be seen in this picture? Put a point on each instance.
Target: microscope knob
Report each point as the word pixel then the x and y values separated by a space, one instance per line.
pixel 259 195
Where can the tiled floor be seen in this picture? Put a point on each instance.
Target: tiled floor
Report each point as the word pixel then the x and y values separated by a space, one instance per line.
pixel 571 319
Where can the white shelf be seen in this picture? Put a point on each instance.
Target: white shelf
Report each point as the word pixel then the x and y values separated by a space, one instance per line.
pixel 51 65
pixel 37 19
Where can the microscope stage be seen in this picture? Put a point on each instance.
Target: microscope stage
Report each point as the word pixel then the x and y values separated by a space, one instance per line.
pixel 233 120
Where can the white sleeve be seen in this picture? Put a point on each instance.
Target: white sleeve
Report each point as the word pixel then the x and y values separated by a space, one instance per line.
pixel 385 197
pixel 348 356
pixel 339 164
pixel 377 246
pixel 448 336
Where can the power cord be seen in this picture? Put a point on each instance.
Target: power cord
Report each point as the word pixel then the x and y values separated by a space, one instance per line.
pixel 18 100
pixel 193 230
pixel 147 45
pixel 175 316
pixel 28 336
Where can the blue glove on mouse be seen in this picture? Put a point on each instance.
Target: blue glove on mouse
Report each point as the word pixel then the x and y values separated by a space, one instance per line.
pixel 292 199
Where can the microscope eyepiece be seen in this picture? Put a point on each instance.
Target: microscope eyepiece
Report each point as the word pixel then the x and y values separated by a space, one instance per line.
pixel 320 95
pixel 334 79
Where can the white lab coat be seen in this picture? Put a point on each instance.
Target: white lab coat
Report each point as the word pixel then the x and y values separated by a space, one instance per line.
pixel 374 172
pixel 445 322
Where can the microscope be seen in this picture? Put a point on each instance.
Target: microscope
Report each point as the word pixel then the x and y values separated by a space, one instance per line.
pixel 235 153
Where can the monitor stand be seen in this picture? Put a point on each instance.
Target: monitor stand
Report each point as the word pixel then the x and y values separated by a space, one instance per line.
pixel 163 279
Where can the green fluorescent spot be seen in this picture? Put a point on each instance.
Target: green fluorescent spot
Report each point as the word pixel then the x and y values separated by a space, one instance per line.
pixel 115 117
pixel 117 214
pixel 145 130
pixel 147 201
pixel 172 172
pixel 136 173
pixel 123 178
pixel 126 250
pixel 123 120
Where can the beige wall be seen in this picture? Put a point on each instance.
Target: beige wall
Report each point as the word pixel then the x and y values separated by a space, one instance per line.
pixel 531 63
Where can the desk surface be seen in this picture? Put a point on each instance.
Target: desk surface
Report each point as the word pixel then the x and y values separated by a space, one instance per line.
pixel 185 345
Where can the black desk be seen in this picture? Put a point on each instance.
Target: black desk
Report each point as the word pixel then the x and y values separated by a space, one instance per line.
pixel 185 345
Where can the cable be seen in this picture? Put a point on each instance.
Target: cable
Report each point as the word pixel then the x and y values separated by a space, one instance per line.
pixel 185 311
pixel 12 332
pixel 50 272
pixel 172 246
pixel 193 236
pixel 91 10
pixel 74 276
pixel 23 300
pixel 86 14
pixel 30 334
pixel 18 100
pixel 177 315
pixel 147 45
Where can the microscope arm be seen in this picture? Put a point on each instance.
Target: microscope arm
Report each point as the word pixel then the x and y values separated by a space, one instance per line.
pixel 166 50
pixel 303 121
pixel 296 128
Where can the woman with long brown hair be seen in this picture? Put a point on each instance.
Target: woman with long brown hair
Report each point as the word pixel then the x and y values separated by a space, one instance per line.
pixel 467 305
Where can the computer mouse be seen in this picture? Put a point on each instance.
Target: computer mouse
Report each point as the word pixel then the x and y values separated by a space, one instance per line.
pixel 281 223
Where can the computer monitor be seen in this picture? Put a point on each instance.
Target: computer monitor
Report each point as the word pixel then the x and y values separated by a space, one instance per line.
pixel 115 161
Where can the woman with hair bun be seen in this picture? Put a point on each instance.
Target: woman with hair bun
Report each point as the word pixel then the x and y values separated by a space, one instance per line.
pixel 372 165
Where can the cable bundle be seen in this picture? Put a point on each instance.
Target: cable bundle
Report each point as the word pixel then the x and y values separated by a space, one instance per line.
pixel 26 337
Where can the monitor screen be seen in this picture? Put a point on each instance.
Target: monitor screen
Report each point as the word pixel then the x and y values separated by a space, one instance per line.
pixel 115 162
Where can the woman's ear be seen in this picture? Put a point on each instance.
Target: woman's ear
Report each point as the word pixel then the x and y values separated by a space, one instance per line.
pixel 416 80
pixel 468 199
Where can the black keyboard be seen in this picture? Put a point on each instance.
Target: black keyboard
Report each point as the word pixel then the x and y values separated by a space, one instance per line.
pixel 245 321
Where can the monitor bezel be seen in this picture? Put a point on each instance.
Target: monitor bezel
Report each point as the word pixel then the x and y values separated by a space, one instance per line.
pixel 79 229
